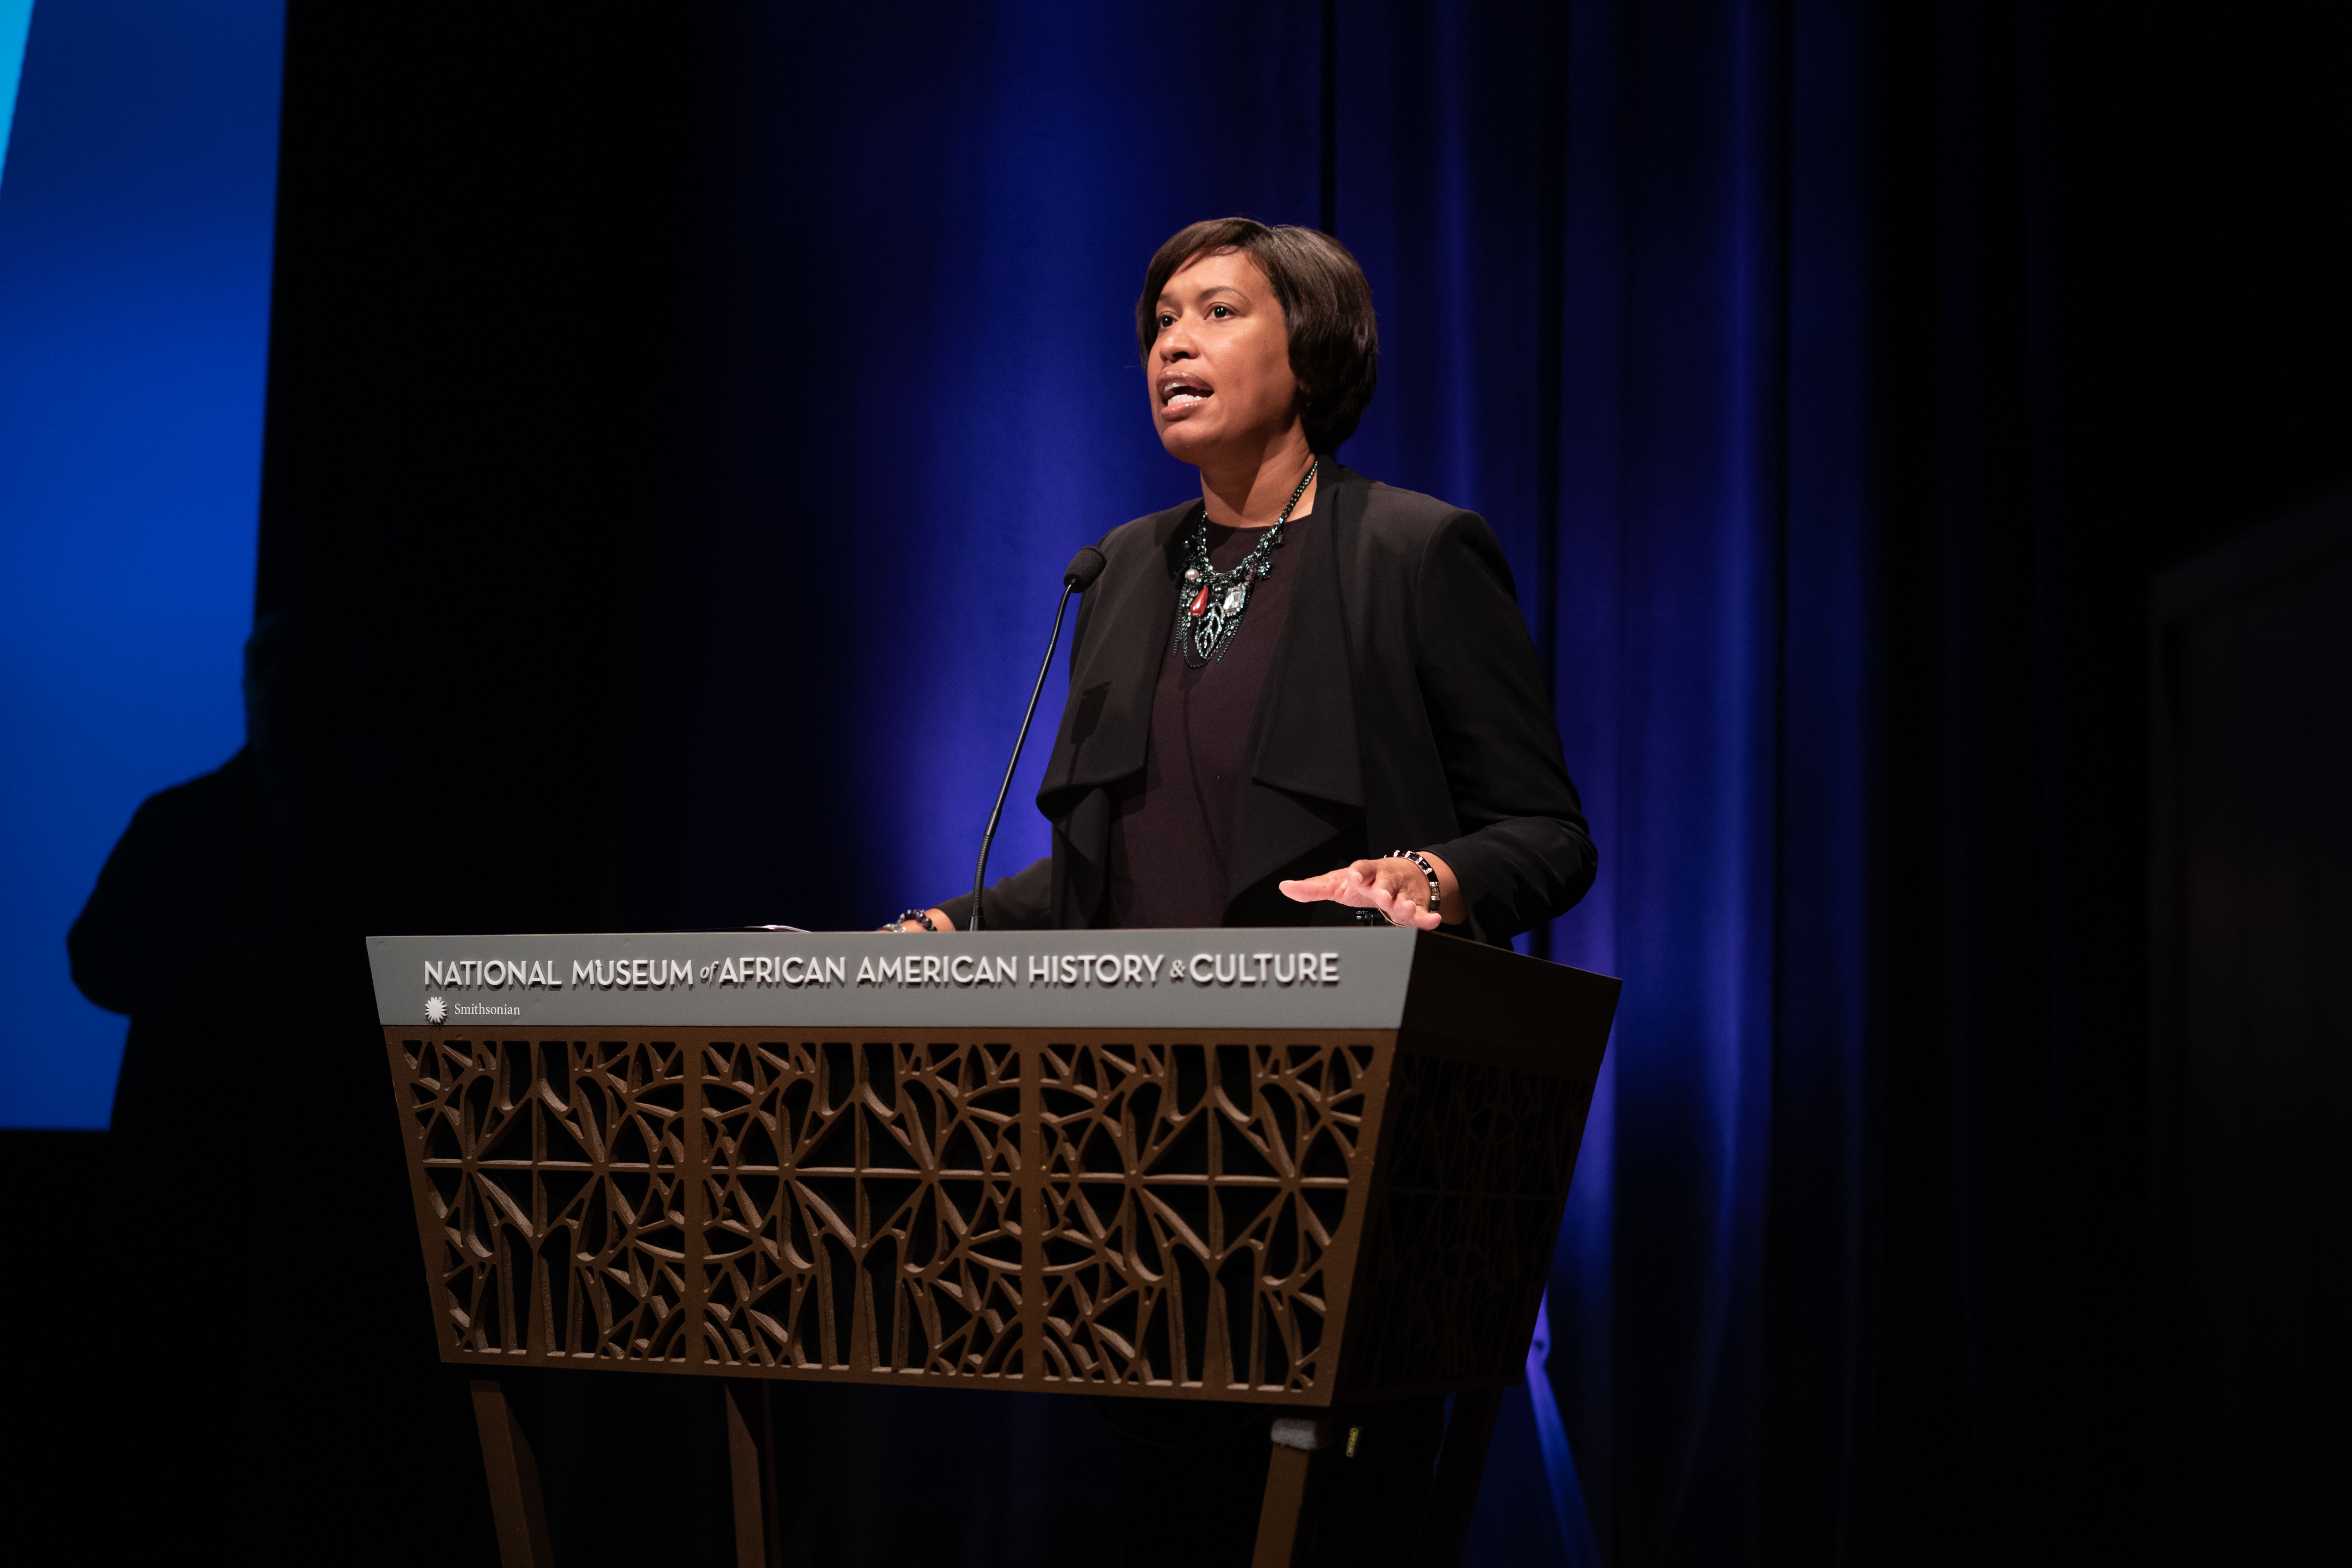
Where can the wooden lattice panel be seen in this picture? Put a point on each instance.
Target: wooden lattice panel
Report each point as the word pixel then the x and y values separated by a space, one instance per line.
pixel 1191 1195
pixel 865 1207
pixel 553 1169
pixel 1065 1210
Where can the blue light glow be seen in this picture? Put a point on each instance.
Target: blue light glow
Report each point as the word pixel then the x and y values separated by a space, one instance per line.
pixel 16 22
pixel 135 231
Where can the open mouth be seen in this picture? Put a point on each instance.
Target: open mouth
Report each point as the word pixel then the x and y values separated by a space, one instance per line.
pixel 1181 394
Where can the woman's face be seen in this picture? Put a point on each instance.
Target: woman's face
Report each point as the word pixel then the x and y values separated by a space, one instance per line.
pixel 1219 370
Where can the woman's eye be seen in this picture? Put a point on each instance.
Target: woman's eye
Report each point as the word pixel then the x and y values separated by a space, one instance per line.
pixel 1220 311
pixel 1165 321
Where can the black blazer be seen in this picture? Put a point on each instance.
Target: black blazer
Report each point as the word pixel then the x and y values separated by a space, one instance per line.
pixel 1404 710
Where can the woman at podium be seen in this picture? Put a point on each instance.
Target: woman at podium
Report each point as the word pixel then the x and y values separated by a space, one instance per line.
pixel 1304 697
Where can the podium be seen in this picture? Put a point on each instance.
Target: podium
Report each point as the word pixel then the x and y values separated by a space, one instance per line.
pixel 1313 1168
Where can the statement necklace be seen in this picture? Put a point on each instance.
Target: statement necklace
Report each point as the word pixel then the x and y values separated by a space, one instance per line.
pixel 1211 602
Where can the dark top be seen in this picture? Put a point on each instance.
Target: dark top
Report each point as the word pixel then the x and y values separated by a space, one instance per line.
pixel 1405 709
pixel 1172 826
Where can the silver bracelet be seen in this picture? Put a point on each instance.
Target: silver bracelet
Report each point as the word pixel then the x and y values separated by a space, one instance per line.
pixel 1436 893
pixel 921 917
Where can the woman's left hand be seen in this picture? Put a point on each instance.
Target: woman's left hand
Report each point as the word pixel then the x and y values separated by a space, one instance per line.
pixel 1395 885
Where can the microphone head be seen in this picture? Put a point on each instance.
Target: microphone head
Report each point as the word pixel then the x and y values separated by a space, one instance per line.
pixel 1084 568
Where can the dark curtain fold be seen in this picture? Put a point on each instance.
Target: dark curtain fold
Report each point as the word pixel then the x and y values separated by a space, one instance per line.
pixel 678 420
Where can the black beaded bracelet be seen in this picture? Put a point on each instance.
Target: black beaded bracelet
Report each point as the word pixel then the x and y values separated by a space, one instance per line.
pixel 1436 892
pixel 921 917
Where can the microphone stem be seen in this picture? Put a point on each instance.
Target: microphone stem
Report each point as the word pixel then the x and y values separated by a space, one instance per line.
pixel 980 876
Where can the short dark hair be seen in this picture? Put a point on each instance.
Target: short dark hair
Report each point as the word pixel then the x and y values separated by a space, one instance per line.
pixel 1327 309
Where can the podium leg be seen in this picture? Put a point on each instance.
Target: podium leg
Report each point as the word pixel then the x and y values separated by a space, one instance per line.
pixel 751 1464
pixel 1281 1533
pixel 515 1506
pixel 1460 1464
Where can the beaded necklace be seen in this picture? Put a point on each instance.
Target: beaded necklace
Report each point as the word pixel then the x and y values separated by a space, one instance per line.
pixel 1212 602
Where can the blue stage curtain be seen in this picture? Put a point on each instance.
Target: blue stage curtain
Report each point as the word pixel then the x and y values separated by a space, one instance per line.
pixel 1625 314
pixel 909 247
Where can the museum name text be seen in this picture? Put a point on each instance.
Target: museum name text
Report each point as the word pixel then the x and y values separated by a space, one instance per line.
pixel 1105 970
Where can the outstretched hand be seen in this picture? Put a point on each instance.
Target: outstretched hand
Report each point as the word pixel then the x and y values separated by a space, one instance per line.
pixel 1395 888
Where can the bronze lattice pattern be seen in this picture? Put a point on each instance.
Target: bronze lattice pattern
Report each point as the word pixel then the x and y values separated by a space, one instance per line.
pixel 1191 1195
pixel 864 1212
pixel 555 1169
pixel 1170 1219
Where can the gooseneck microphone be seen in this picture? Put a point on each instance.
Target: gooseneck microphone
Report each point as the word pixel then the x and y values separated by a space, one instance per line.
pixel 1077 578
